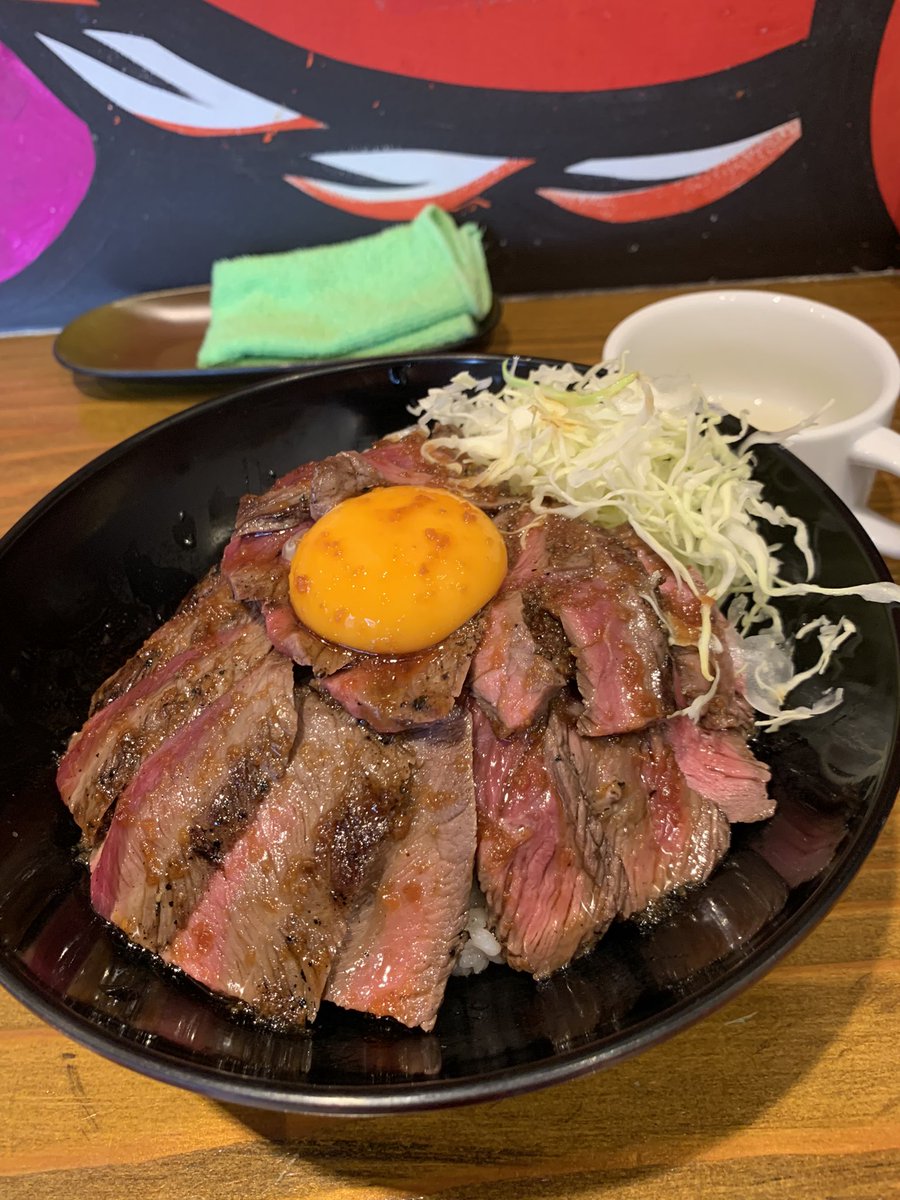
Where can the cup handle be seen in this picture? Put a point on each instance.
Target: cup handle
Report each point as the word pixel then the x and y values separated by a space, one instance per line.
pixel 879 449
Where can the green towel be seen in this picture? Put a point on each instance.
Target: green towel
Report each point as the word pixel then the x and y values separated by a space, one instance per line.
pixel 411 287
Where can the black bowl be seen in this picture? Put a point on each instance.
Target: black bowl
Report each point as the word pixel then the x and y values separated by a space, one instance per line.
pixel 107 555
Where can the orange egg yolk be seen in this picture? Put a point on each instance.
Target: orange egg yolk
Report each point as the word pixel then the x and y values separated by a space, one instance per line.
pixel 396 569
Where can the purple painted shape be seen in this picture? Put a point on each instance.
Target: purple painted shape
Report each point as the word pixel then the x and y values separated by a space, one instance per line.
pixel 47 158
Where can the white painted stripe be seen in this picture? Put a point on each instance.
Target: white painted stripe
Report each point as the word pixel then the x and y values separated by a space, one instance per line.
pixel 207 103
pixel 658 167
pixel 416 174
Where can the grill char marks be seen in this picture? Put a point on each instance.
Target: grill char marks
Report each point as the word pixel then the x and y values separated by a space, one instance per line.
pixel 314 849
pixel 401 946
pixel 550 893
pixel 107 753
pixel 188 803
pixel 627 795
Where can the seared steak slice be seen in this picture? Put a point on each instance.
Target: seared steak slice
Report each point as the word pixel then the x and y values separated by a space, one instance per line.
pixel 267 526
pixel 306 648
pixel 401 946
pixel 312 850
pixel 525 535
pixel 720 765
pixel 591 583
pixel 728 708
pixel 683 610
pixel 401 461
pixel 190 800
pixel 255 565
pixel 550 893
pixel 283 506
pixel 338 478
pixel 107 753
pixel 512 681
pixel 207 609
pixel 626 795
pixel 393 694
pixel 597 588
pixel 621 654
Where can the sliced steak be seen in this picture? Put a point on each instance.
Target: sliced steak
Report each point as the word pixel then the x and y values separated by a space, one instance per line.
pixel 312 851
pixel 107 753
pixel 626 795
pixel 683 610
pixel 207 609
pixel 256 566
pixel 620 650
pixel 584 581
pixel 188 803
pixel 306 648
pixel 720 765
pixel 401 946
pixel 401 461
pixel 550 893
pixel 393 694
pixel 511 680
pixel 266 529
pixel 525 534
pixel 339 478
pixel 285 505
pixel 728 708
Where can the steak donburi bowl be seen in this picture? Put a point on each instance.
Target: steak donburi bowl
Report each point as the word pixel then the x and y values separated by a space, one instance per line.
pixel 108 556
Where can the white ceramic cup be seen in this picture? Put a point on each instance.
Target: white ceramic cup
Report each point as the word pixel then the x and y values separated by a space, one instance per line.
pixel 780 359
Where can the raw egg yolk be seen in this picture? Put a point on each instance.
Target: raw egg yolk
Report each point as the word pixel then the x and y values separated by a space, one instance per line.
pixel 396 569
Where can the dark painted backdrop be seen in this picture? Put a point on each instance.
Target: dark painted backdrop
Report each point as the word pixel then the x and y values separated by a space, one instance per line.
pixel 641 141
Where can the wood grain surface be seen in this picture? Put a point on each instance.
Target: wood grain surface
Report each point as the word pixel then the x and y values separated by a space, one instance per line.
pixel 791 1090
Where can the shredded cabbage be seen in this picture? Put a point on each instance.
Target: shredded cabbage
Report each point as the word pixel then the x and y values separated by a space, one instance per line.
pixel 611 446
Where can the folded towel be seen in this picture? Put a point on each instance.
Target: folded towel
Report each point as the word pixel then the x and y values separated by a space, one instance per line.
pixel 411 287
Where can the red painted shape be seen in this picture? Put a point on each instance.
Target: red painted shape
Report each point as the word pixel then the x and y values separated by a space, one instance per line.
pixel 405 210
pixel 684 195
pixel 537 45
pixel 885 127
pixel 238 131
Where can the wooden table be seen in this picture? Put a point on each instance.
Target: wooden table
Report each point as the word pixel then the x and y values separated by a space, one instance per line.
pixel 792 1090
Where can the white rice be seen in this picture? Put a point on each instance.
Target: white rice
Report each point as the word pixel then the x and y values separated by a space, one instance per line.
pixel 480 946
